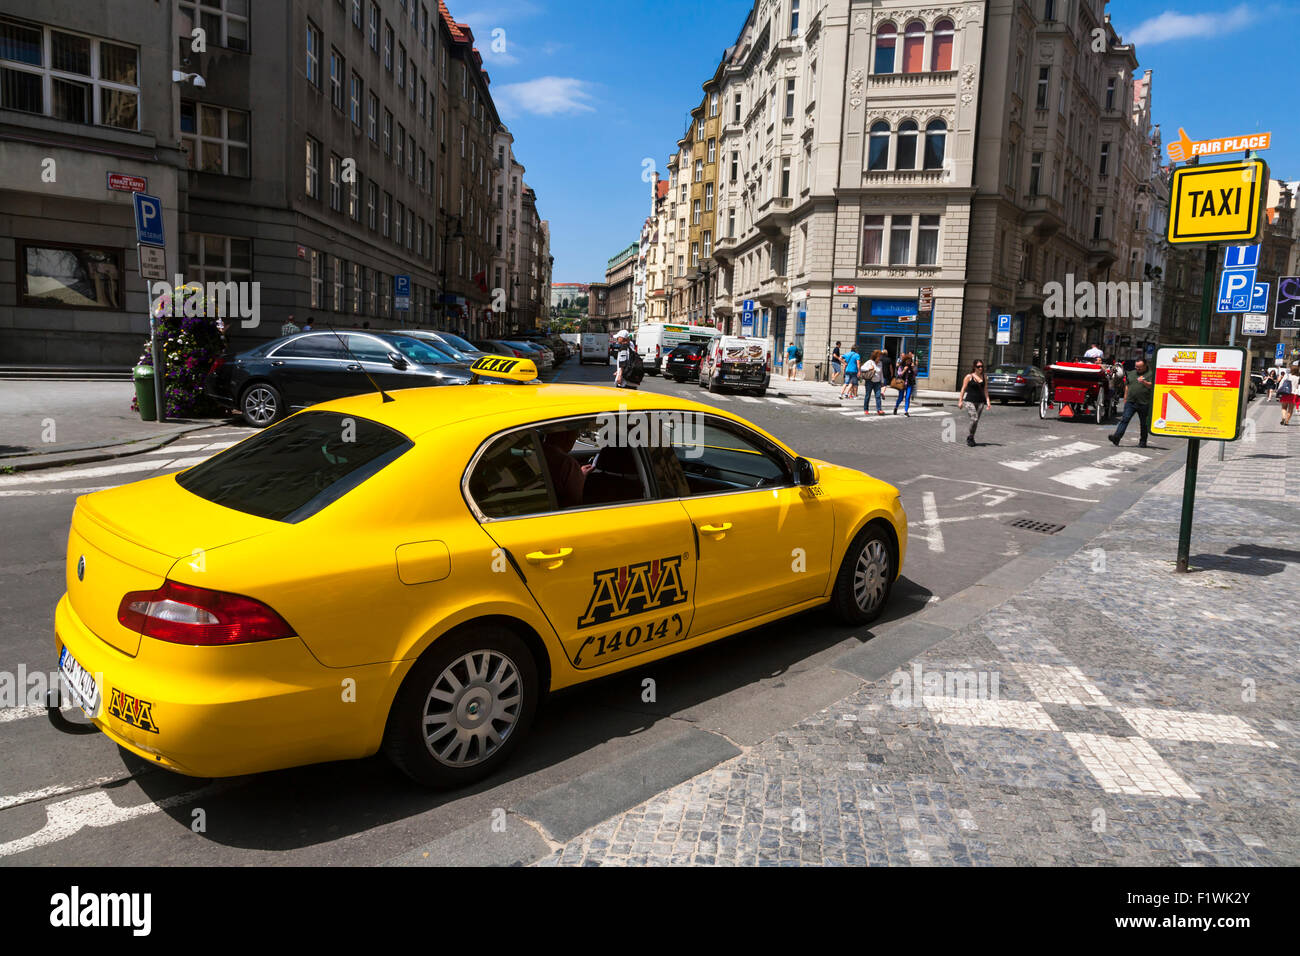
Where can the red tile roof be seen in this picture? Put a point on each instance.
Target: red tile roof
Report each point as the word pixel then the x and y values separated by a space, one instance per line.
pixel 661 188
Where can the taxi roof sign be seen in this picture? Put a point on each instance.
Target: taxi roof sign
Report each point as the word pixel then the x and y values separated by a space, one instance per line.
pixel 1218 202
pixel 1199 392
pixel 504 368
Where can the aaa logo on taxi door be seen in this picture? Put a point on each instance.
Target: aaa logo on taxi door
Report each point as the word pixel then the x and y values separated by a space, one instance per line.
pixel 132 710
pixel 634 589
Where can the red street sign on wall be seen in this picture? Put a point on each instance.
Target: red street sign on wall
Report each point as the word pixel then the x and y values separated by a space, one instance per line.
pixel 846 290
pixel 127 184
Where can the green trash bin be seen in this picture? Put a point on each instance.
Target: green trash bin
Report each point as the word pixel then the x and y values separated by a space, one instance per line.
pixel 144 397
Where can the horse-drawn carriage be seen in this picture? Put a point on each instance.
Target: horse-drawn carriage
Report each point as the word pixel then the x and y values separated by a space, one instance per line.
pixel 1080 390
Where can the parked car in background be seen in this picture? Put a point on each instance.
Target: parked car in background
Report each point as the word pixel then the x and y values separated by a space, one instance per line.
pixel 683 362
pixel 544 357
pixel 461 349
pixel 1022 383
pixel 737 361
pixel 541 357
pixel 268 382
pixel 594 347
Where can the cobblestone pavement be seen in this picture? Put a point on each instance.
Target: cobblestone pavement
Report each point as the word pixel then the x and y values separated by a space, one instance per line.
pixel 1110 713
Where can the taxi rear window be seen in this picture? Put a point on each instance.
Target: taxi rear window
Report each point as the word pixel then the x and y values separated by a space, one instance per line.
pixel 293 470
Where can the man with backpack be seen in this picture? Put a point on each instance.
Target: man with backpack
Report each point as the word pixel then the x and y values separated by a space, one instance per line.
pixel 630 368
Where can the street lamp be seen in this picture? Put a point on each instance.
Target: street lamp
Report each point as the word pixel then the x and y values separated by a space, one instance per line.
pixel 705 270
pixel 447 233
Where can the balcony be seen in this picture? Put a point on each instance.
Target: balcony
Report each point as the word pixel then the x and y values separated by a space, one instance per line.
pixel 902 177
pixel 773 290
pixel 725 248
pixel 1044 215
pixel 1028 294
pixel 1101 253
pixel 914 82
pixel 774 216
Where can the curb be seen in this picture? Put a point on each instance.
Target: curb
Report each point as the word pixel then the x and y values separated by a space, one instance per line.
pixel 54 459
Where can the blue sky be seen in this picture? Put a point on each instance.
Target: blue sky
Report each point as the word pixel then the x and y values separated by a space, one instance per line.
pixel 590 88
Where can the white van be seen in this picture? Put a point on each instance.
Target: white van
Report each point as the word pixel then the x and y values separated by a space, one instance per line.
pixel 737 361
pixel 595 348
pixel 655 340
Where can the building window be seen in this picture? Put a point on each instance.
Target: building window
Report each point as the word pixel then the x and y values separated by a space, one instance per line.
pixel 789 98
pixel 50 72
pixel 354 100
pixel 70 276
pixel 336 196
pixel 357 290
pixel 372 201
pixel 878 150
pixel 1044 79
pixel 1035 172
pixel 785 176
pixel 873 239
pixel 905 151
pixel 731 223
pixel 1110 94
pixel 398 211
pixel 215 139
pixel 313 168
pixel 317 279
pixel 735 165
pixel 336 278
pixel 941 52
pixel 735 113
pixel 372 26
pixel 900 240
pixel 401 144
pixel 228 27
pixel 713 150
pixel 1096 223
pixel 401 66
pixel 387 216
pixel 695 212
pixel 388 133
pixel 388 46
pixel 313 54
pixel 713 104
pixel 914 47
pixel 695 255
pixel 1049 10
pixel 372 118
pixel 708 243
pixel 354 197
pixel 794 18
pixel 886 40
pixel 356 13
pixel 699 170
pixel 424 95
pixel 936 136
pixel 336 79
pixel 1104 169
pixel 927 241
pixel 708 197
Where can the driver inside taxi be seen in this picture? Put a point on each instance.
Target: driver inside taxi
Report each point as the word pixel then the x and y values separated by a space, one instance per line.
pixel 568 475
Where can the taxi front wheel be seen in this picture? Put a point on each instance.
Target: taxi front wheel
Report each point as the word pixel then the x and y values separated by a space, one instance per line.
pixel 464 707
pixel 866 577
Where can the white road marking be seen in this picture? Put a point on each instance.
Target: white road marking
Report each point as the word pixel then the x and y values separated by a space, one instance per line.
pixel 750 399
pixel 44 793
pixel 991 498
pixel 1102 474
pixel 102 471
pixel 967 481
pixel 973 712
pixel 1192 725
pixel 1050 454
pixel 933 536
pixel 186 462
pixel 18 713
pixel 780 401
pixel 1128 765
pixel 213 447
pixel 27 492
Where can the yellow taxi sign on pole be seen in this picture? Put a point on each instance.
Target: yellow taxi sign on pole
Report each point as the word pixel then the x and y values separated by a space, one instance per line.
pixel 1199 392
pixel 503 368
pixel 1220 202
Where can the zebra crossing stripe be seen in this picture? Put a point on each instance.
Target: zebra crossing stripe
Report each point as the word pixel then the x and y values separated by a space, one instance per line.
pixel 1101 474
pixel 1048 454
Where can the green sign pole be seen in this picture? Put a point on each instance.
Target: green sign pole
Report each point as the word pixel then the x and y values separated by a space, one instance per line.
pixel 1194 444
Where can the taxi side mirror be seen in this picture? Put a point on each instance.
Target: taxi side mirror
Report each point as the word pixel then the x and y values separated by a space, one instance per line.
pixel 804 472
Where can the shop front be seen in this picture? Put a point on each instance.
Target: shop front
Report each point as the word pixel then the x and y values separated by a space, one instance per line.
pixel 895 326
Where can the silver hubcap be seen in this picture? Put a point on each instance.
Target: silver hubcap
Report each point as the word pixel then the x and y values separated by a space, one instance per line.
pixel 472 708
pixel 871 575
pixel 259 406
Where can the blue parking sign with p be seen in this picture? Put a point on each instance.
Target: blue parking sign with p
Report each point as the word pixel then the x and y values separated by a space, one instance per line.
pixel 1236 290
pixel 148 220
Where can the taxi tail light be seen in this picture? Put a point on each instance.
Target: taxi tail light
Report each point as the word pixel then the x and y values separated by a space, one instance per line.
pixel 184 614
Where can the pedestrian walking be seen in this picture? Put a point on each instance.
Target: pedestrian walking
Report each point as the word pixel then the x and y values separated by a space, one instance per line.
pixel 1093 354
pixel 791 356
pixel 289 328
pixel 837 364
pixel 1288 392
pixel 904 381
pixel 886 365
pixel 874 378
pixel 974 397
pixel 1137 401
pixel 1270 384
pixel 851 361
pixel 624 361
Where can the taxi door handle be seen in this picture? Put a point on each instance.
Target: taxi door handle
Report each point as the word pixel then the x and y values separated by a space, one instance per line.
pixel 556 558
pixel 716 529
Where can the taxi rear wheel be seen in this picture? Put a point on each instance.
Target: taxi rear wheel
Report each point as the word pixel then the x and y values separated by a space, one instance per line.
pixel 464 707
pixel 866 577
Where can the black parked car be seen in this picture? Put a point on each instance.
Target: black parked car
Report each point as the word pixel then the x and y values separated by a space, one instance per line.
pixel 266 383
pixel 1023 383
pixel 683 362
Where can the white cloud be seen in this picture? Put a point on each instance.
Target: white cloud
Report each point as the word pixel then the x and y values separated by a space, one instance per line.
pixel 545 96
pixel 1170 26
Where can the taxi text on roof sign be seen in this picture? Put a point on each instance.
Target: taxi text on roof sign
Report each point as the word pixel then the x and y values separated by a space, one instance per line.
pixel 504 368
pixel 1223 202
pixel 1199 392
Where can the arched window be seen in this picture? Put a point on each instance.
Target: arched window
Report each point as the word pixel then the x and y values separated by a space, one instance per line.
pixel 886 38
pixel 936 136
pixel 914 47
pixel 905 156
pixel 878 155
pixel 941 47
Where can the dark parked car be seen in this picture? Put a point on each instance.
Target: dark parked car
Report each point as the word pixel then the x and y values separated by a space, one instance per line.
pixel 460 349
pixel 266 383
pixel 1023 383
pixel 683 362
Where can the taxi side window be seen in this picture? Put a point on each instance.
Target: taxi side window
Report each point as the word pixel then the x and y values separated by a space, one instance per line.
pixel 592 462
pixel 719 457
pixel 508 481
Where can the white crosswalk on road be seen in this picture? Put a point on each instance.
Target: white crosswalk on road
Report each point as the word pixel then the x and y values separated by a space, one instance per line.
pixel 1103 473
pixel 1050 454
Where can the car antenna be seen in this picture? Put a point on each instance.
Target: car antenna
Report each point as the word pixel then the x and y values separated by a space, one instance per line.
pixel 386 397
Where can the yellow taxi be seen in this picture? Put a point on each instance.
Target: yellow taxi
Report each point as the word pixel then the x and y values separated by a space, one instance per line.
pixel 414 572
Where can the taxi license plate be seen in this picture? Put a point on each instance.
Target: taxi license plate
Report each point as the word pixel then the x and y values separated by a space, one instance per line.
pixel 80 683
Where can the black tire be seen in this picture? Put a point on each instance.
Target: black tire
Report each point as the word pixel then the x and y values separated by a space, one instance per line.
pixel 404 740
pixel 714 386
pixel 1042 403
pixel 844 599
pixel 261 404
pixel 760 392
pixel 1002 401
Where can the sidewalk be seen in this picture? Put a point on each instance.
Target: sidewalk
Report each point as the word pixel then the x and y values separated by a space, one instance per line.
pixel 1084 706
pixel 45 424
pixel 825 393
